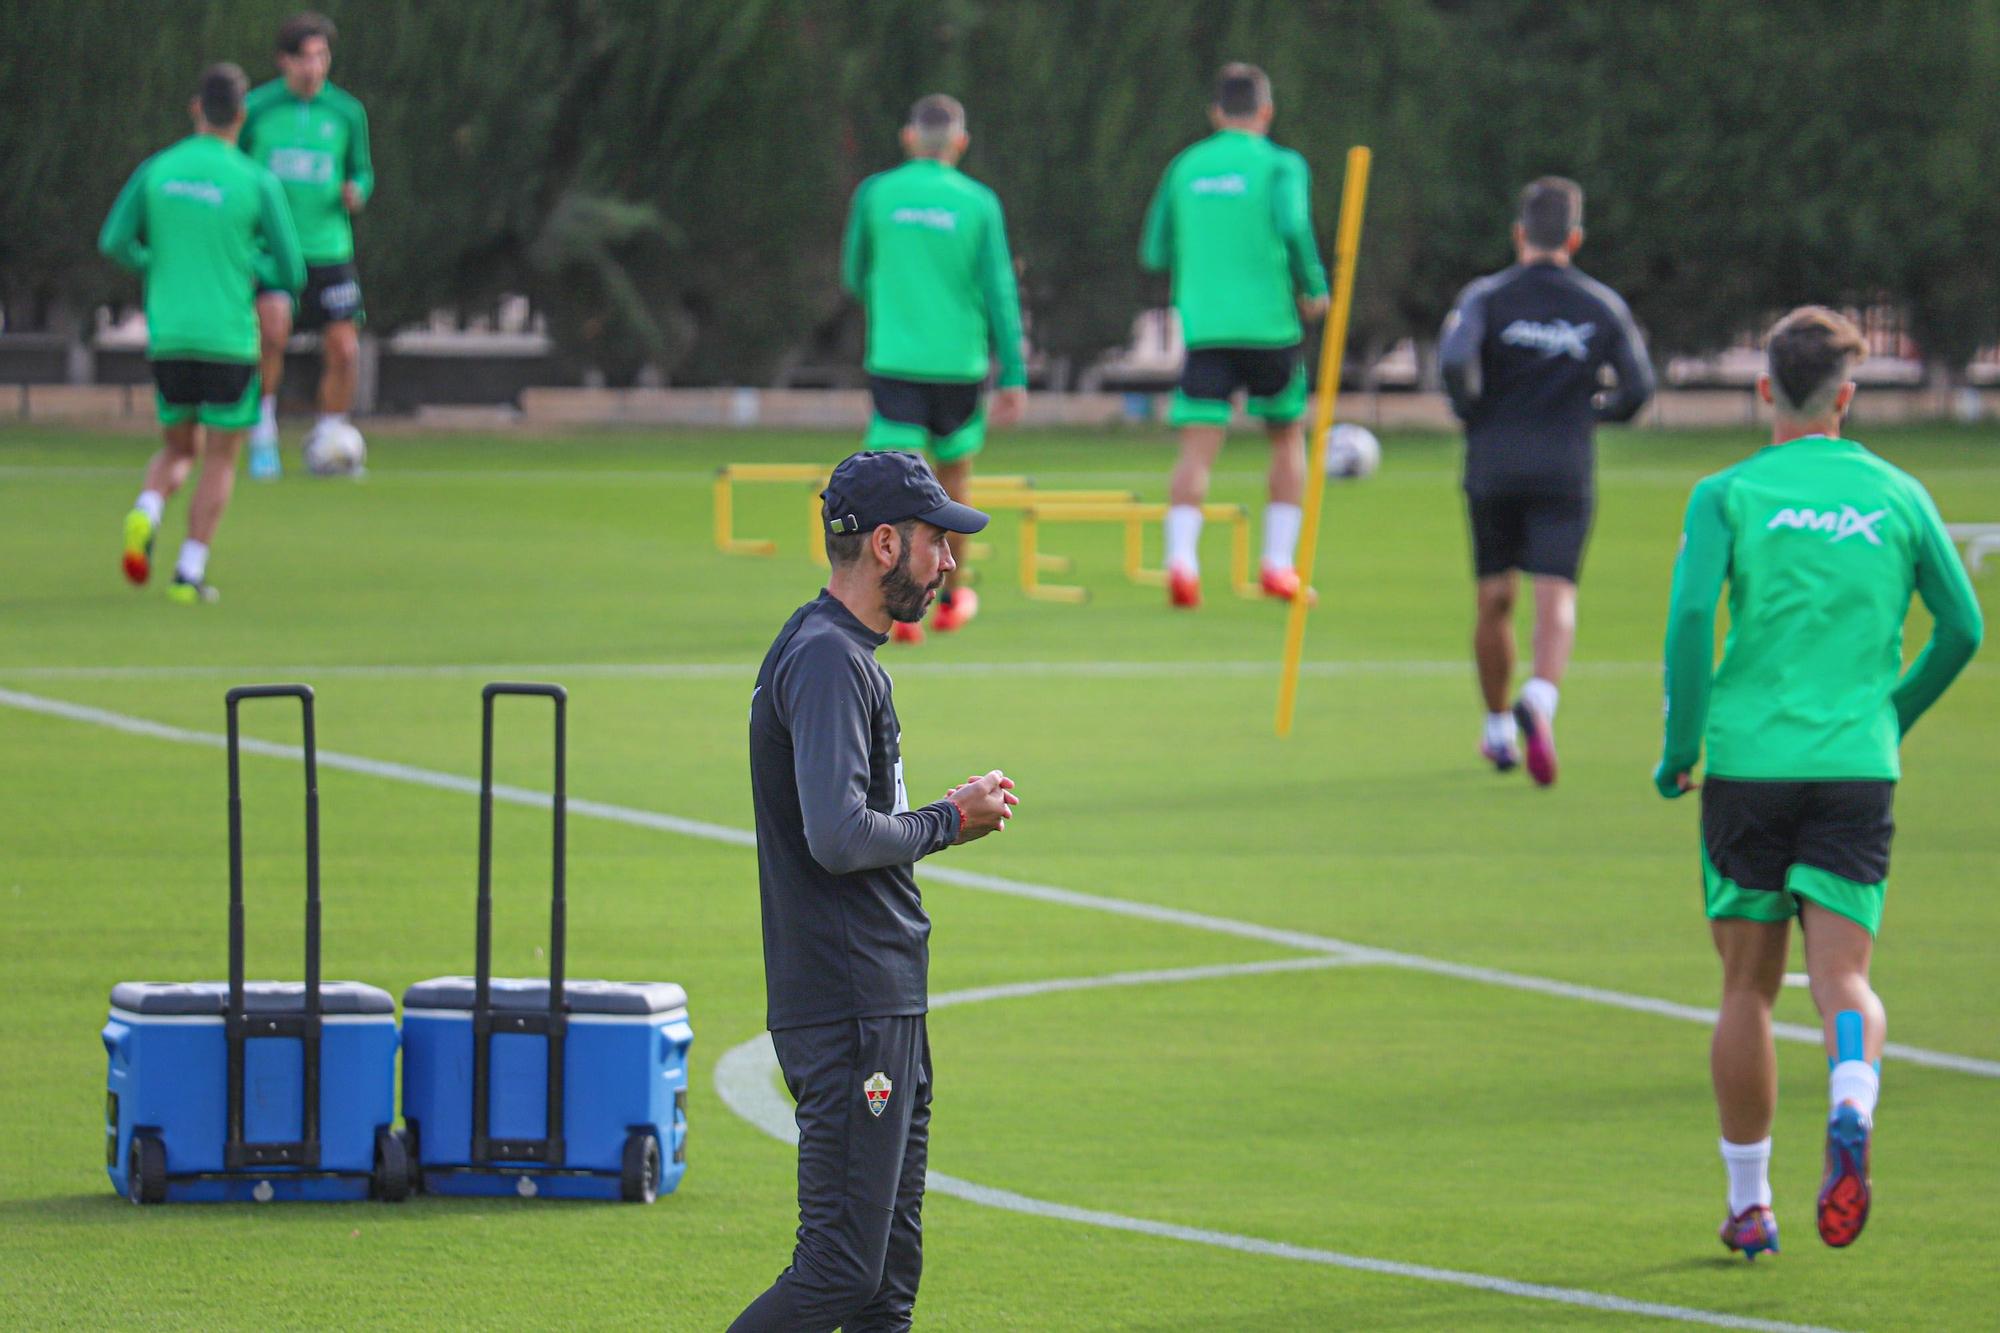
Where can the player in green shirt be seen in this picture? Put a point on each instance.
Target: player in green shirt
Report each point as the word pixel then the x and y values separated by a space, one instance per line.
pixel 314 138
pixel 1232 220
pixel 926 254
pixel 1821 544
pixel 204 226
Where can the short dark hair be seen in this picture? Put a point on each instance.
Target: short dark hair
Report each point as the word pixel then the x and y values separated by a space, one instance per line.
pixel 1810 353
pixel 221 94
pixel 937 119
pixel 844 548
pixel 297 30
pixel 1551 208
pixel 1242 90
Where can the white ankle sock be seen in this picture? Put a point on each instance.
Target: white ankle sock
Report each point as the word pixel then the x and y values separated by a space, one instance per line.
pixel 1749 1174
pixel 1281 534
pixel 1541 696
pixel 1854 1081
pixel 333 418
pixel 1183 533
pixel 193 562
pixel 1500 730
pixel 152 504
pixel 267 411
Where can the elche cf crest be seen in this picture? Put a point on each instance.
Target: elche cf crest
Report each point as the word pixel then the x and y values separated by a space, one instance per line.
pixel 877 1087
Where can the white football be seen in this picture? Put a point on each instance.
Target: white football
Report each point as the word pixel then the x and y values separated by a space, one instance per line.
pixel 1352 452
pixel 335 450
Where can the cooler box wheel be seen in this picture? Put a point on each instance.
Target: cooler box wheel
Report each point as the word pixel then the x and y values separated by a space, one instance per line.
pixel 147 1170
pixel 391 1180
pixel 639 1180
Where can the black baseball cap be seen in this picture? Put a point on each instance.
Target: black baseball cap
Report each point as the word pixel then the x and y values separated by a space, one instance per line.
pixel 869 489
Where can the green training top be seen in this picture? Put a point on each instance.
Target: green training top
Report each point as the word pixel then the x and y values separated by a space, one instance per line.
pixel 205 227
pixel 1232 219
pixel 926 253
pixel 313 147
pixel 1821 543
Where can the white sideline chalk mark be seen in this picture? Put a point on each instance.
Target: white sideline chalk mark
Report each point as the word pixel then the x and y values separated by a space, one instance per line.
pixel 746 1080
pixel 1798 980
pixel 1143 911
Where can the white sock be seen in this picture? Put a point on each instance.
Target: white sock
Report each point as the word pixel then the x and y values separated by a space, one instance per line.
pixel 193 562
pixel 1183 531
pixel 1854 1081
pixel 1281 534
pixel 1541 696
pixel 152 504
pixel 333 418
pixel 1749 1174
pixel 267 412
pixel 1500 730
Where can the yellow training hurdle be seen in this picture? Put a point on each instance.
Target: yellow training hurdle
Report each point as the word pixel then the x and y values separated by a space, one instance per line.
pixel 1134 516
pixel 726 477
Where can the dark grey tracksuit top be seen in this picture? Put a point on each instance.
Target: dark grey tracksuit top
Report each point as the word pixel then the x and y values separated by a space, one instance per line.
pixel 1521 356
pixel 845 934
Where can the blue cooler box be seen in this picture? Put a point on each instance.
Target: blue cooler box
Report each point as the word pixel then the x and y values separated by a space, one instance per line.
pixel 169 1085
pixel 624 1102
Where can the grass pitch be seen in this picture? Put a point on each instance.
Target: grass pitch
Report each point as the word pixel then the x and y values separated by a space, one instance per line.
pixel 1374 1110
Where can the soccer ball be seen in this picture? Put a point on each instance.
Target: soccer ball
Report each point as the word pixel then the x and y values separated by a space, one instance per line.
pixel 335 450
pixel 1352 452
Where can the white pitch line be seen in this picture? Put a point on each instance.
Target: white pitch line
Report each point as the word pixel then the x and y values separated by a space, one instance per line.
pixel 1143 911
pixel 745 1079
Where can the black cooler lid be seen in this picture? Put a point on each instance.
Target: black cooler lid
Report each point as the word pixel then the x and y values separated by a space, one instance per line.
pixel 531 994
pixel 211 998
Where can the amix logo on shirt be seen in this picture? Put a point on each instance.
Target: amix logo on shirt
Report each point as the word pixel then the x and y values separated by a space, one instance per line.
pixel 1838 525
pixel 937 219
pixel 1233 183
pixel 205 192
pixel 1556 338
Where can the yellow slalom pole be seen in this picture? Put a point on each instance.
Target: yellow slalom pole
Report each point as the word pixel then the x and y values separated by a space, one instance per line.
pixel 1333 345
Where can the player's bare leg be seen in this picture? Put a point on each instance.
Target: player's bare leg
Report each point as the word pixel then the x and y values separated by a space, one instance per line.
pixel 1743 1066
pixel 274 329
pixel 211 497
pixel 1838 952
pixel 1555 636
pixel 166 472
pixel 957 602
pixel 1186 490
pixel 1282 516
pixel 1493 652
pixel 340 351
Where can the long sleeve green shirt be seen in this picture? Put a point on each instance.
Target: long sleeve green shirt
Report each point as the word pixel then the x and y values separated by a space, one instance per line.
pixel 313 147
pixel 926 254
pixel 204 226
pixel 1821 544
pixel 1232 221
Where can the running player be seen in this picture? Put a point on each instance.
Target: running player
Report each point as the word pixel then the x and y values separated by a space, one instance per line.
pixel 204 226
pixel 314 138
pixel 926 254
pixel 1232 221
pixel 1821 543
pixel 1522 355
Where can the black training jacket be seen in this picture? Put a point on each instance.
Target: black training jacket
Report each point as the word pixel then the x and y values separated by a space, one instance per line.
pixel 1521 353
pixel 845 934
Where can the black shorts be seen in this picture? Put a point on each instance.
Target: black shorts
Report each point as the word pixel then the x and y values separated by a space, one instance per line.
pixel 940 409
pixel 1755 832
pixel 1536 534
pixel 222 394
pixel 1273 378
pixel 332 296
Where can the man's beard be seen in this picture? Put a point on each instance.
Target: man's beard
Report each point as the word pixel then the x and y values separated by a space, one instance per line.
pixel 903 597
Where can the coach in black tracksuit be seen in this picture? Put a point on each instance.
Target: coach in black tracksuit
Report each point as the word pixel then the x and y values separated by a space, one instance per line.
pixel 846 940
pixel 1523 355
